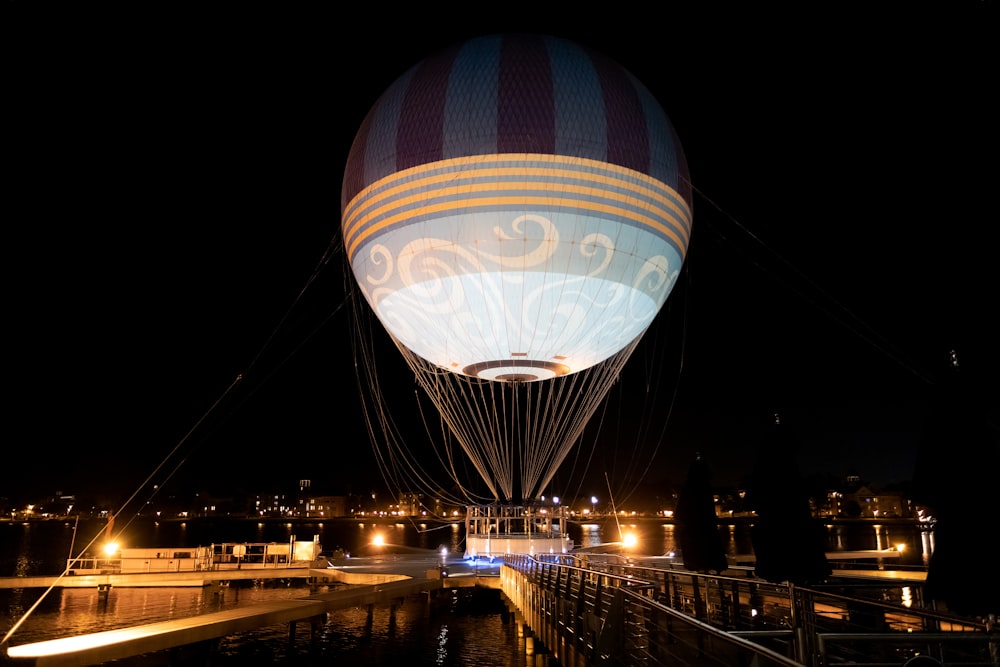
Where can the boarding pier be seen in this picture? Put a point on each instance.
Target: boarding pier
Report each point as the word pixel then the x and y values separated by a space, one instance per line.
pixel 577 610
pixel 355 582
pixel 607 609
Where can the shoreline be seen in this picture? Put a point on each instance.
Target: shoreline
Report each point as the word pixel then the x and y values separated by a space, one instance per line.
pixel 461 521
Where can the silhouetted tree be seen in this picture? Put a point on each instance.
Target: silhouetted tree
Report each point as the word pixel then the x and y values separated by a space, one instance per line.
pixel 789 544
pixel 696 523
pixel 852 509
pixel 957 467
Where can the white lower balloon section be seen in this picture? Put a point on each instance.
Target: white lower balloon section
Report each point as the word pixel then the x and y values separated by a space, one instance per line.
pixel 516 296
pixel 534 324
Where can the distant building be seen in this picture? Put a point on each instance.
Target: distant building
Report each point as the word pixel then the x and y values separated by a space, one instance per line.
pixel 730 502
pixel 878 505
pixel 863 502
pixel 273 504
pixel 410 504
pixel 320 507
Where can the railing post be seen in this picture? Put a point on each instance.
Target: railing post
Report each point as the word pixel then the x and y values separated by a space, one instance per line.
pixel 991 631
pixel 675 602
pixel 699 603
pixel 735 607
pixel 756 607
pixel 795 618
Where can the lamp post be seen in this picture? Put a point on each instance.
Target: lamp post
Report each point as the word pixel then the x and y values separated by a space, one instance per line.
pixel 593 505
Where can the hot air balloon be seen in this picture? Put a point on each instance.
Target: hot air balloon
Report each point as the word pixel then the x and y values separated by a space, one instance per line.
pixel 515 211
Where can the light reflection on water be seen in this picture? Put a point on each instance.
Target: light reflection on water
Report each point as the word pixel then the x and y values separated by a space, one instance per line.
pixel 658 538
pixel 456 630
pixel 412 633
pixel 74 611
pixel 452 633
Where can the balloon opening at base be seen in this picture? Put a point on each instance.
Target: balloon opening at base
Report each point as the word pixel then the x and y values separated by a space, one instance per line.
pixel 516 370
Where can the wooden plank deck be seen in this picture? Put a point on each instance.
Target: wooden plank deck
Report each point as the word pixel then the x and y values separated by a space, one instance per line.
pixel 145 579
pixel 100 647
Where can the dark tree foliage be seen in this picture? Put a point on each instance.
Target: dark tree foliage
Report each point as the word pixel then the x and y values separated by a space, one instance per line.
pixel 956 473
pixel 695 521
pixel 789 544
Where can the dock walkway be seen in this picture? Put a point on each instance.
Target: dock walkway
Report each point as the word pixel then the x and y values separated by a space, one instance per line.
pixel 101 647
pixel 654 615
pixel 374 581
pixel 144 579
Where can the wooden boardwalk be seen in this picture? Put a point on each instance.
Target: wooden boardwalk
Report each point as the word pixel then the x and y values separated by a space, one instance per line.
pixel 152 579
pixel 101 647
pixel 549 597
pixel 369 582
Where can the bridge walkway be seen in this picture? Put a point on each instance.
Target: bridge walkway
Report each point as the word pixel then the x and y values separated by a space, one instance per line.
pixel 369 584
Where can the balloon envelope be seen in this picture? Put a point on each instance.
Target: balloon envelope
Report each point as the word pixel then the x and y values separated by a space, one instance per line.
pixel 516 208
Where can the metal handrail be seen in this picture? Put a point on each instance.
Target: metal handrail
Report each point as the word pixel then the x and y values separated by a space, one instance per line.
pixel 617 620
pixel 804 623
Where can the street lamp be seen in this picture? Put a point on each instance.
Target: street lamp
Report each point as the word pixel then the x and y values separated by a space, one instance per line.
pixel 593 505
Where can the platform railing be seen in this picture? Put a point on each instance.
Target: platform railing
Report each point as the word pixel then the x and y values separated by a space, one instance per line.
pixel 615 619
pixel 809 625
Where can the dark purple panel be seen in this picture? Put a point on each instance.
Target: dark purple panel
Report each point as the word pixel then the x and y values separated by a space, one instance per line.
pixel 525 109
pixel 628 138
pixel 354 170
pixel 419 135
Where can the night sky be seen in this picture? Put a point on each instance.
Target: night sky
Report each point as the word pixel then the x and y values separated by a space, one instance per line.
pixel 173 187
